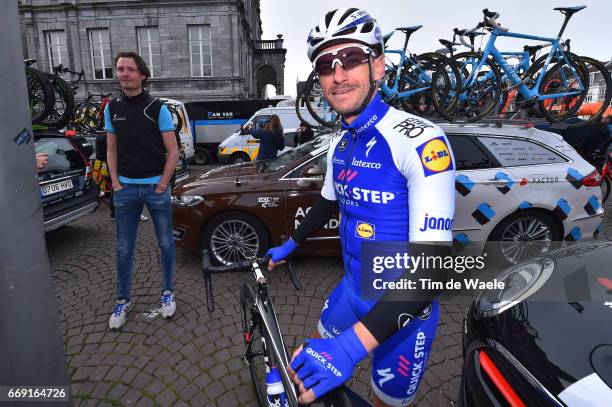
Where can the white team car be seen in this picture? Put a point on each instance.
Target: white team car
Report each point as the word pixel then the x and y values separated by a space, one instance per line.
pixel 521 188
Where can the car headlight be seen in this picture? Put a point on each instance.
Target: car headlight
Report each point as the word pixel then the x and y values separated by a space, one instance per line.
pixel 187 200
pixel 520 283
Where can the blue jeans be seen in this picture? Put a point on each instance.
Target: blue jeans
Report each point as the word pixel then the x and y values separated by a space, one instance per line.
pixel 129 202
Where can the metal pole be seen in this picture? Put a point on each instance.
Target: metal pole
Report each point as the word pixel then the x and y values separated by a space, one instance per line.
pixel 31 346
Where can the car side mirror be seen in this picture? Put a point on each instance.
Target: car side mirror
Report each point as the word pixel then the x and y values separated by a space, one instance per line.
pixel 310 174
pixel 312 171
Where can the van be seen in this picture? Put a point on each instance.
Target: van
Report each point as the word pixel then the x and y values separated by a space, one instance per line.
pixel 244 147
pixel 185 133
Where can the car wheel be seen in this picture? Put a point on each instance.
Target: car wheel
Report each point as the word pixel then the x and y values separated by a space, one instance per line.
pixel 201 157
pixel 239 158
pixel 235 236
pixel 523 235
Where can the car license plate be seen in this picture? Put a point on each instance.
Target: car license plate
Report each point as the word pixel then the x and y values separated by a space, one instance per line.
pixel 57 187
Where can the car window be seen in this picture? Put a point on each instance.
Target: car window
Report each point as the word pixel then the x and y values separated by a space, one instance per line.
pixel 293 155
pixel 511 152
pixel 290 139
pixel 467 154
pixel 63 158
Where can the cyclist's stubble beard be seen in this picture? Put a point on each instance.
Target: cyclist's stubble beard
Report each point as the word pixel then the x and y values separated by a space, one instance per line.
pixel 347 91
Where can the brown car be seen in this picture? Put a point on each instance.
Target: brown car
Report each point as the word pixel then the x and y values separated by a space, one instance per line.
pixel 242 209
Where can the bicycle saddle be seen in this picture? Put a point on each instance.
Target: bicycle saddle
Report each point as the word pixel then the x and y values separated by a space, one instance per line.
pixel 569 10
pixel 409 30
pixel 447 43
pixel 29 62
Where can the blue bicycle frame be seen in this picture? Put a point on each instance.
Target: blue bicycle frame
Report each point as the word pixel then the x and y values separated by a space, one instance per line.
pixel 391 93
pixel 527 93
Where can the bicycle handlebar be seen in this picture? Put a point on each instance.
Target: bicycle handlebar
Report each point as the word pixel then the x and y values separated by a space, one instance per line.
pixel 491 19
pixel 208 270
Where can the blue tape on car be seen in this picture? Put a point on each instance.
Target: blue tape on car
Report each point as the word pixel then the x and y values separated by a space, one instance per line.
pixel 463 184
pixel 504 189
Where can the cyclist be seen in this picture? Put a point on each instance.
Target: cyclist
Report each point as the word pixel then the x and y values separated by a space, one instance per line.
pixel 388 173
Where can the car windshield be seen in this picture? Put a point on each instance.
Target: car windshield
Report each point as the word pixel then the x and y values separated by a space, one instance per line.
pixel 293 155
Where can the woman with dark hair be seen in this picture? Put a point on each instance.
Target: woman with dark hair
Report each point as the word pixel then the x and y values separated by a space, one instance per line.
pixel 271 139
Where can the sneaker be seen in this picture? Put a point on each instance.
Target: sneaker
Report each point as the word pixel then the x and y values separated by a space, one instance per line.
pixel 143 218
pixel 118 317
pixel 168 307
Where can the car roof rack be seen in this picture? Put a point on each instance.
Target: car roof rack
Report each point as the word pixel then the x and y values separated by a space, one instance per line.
pixel 488 122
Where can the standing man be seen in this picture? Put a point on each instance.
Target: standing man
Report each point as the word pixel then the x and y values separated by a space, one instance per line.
pixel 141 154
pixel 388 172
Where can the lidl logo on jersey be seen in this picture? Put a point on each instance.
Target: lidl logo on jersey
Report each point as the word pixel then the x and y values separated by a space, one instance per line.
pixel 435 156
pixel 365 230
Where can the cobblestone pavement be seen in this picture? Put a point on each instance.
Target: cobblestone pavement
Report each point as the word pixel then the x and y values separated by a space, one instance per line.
pixel 194 358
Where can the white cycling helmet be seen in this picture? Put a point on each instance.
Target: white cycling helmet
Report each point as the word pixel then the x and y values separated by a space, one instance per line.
pixel 344 25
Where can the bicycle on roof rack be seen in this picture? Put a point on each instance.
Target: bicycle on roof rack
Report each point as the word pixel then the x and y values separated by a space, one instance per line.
pixel 556 93
pixel 265 349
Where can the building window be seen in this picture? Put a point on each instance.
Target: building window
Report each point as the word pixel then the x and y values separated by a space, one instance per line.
pixel 148 48
pixel 57 48
pixel 200 54
pixel 101 59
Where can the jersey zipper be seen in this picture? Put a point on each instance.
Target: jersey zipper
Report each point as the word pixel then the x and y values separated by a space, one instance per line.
pixel 346 167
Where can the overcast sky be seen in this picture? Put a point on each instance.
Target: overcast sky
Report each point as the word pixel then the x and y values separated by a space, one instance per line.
pixel 590 29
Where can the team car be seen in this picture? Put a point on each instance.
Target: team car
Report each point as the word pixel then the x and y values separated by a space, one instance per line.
pixel 544 340
pixel 519 188
pixel 67 191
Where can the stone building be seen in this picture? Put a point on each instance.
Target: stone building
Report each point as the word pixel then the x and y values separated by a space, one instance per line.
pixel 196 49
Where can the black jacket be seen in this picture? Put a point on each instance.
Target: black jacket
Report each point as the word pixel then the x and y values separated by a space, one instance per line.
pixel 270 143
pixel 140 147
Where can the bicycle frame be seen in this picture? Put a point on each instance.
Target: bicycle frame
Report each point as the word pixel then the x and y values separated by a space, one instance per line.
pixel 526 92
pixel 391 93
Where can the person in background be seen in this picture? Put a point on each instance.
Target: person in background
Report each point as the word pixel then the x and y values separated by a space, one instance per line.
pixel 42 159
pixel 305 133
pixel 271 139
pixel 141 154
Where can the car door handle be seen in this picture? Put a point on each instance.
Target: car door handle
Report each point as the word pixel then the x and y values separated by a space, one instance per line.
pixel 494 181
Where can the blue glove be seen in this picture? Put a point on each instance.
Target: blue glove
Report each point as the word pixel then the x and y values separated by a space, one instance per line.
pixel 324 364
pixel 280 252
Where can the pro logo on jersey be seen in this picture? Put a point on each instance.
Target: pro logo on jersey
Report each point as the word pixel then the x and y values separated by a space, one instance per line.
pixel 435 156
pixel 365 230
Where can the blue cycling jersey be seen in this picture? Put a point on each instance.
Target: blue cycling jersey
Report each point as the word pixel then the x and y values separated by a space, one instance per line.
pixel 393 175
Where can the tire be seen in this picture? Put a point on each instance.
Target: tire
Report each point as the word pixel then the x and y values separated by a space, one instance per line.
pixel 63 108
pixel 477 100
pixel 561 108
pixel 318 107
pixel 526 224
pixel 239 157
pixel 201 157
pixel 232 236
pixel 41 95
pixel 421 103
pixel 255 348
pixel 595 67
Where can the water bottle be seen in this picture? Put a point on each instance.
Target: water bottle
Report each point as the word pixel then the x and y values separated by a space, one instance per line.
pixel 275 389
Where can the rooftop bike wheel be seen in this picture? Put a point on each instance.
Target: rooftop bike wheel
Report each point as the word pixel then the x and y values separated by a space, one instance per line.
pixel 40 95
pixel 63 108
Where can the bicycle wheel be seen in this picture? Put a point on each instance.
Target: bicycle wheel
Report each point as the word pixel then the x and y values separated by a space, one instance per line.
pixel 256 340
pixel 63 108
pixel 300 102
pixel 318 107
pixel 480 88
pixel 564 77
pixel 419 77
pixel 599 93
pixel 40 95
